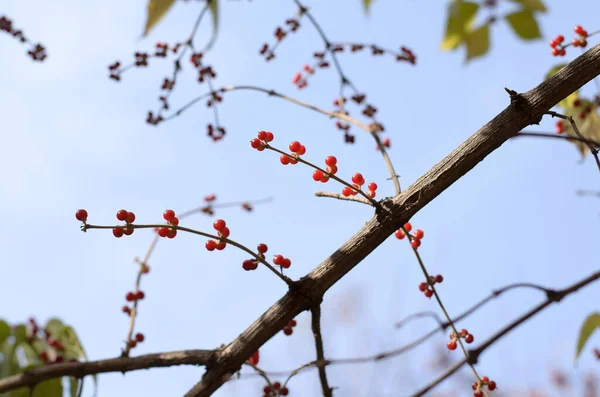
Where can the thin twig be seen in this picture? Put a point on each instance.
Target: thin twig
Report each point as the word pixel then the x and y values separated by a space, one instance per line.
pixel 342 197
pixel 316 329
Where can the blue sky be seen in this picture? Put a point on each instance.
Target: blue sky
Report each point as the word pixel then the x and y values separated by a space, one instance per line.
pixel 73 139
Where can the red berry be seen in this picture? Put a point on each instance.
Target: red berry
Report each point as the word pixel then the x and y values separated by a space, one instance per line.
pixel 132 344
pixel 287 330
pixel 118 232
pixel 408 227
pixel 579 30
pixel 371 193
pixel 219 224
pixel 302 150
pixel 130 217
pixel 255 143
pixel 297 78
pixel 284 159
pixel 372 186
pixel 286 263
pixel 469 338
pixel 125 309
pixel 169 215
pixel 428 293
pixel 278 259
pixel 422 287
pixel 463 332
pixel 346 191
pixel 439 278
pixel 140 295
pixel 254 358
pixel 295 146
pixel 262 135
pixel 248 264
pixel 485 379
pixel 325 178
pixel 174 221
pixel 415 243
pixel 163 232
pixel 418 234
pixel 81 215
pixel 122 215
pixel 492 386
pixel 262 248
pixel 560 38
pixel 555 52
pixel 225 232
pixel 221 245
pixel 332 169
pixel 293 323
pixel 399 234
pixel 276 385
pixel 269 137
pixel 130 297
pixel 139 337
pixel 478 394
pixel 330 161
pixel 451 345
pixel 358 179
pixel 284 391
pixel 128 231
pixel 317 175
pixel 171 233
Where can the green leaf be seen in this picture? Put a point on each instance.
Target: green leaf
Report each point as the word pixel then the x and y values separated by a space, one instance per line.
pixel 74 349
pixel 591 323
pixel 74 386
pixel 478 42
pixel 461 15
pixel 4 331
pixel 524 24
pixel 532 5
pixel 156 10
pixel 367 5
pixel 571 98
pixel 20 333
pixel 55 326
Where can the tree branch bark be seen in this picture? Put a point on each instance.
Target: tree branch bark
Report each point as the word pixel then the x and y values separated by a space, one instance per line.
pixel 524 110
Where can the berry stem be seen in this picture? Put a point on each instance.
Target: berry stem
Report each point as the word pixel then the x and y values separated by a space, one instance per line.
pixel 342 197
pixel 285 279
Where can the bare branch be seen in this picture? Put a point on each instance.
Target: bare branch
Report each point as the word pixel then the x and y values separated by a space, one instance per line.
pixel 316 329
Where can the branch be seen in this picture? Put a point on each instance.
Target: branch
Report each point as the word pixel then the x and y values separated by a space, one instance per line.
pixel 524 109
pixel 555 136
pixel 122 364
pixel 316 329
pixel 474 354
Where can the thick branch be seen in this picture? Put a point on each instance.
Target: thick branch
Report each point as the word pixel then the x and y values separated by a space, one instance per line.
pixel 121 364
pixel 524 110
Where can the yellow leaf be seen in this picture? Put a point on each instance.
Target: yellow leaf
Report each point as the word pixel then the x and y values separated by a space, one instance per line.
pixel 478 42
pixel 533 5
pixel 524 24
pixel 460 19
pixel 591 323
pixel 156 10
pixel 588 125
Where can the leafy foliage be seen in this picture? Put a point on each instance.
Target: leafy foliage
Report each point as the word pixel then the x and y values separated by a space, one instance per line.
pixel 23 348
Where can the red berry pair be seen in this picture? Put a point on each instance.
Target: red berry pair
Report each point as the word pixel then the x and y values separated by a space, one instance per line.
pixel 139 338
pixel 134 296
pixel 252 264
pixel 282 261
pixel 288 328
pixel 426 287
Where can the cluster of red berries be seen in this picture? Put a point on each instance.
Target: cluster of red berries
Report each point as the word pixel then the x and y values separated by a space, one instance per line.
pixel 302 81
pixel 276 390
pixel 426 287
pixel 223 231
pixel 54 351
pixel 252 264
pixel 357 181
pixel 485 381
pixel 280 34
pixel 331 163
pixel 128 218
pixel 165 231
pixel 559 49
pixel 262 140
pixel 254 358
pixel 463 333
pixel 37 52
pixel 288 328
pixel 405 53
pixel 298 149
pixel 415 238
pixel 138 338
